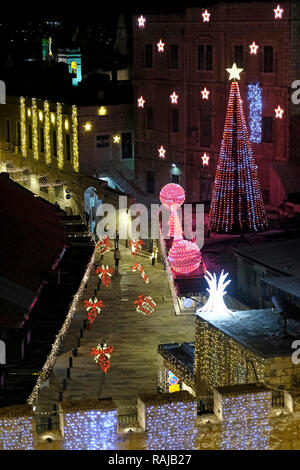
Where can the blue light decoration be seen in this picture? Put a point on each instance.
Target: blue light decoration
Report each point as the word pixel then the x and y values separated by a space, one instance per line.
pixel 90 430
pixel 171 426
pixel 255 112
pixel 16 433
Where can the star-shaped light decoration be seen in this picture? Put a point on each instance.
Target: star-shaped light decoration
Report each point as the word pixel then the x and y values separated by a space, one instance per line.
pixel 205 92
pixel 87 126
pixel 205 159
pixel 174 98
pixel 141 21
pixel 253 48
pixel 279 112
pixel 278 12
pixel 206 16
pixel 161 152
pixel 234 72
pixel 141 102
pixel 160 46
pixel 116 139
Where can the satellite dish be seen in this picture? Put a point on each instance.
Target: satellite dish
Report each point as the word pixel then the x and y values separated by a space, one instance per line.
pixel 287 309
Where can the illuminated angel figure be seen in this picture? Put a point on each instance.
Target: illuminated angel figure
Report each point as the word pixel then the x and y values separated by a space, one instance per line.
pixel 215 305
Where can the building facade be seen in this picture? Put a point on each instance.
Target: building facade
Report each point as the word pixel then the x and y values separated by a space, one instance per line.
pixel 183 56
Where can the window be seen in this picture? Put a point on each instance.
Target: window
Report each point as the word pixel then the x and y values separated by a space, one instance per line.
pixel 150 182
pixel 126 145
pixel 42 143
pixel 68 147
pixel 205 57
pixel 205 124
pixel 7 131
pixel 29 136
pixel 149 117
pixel 173 56
pixel 267 129
pixel 239 56
pixel 102 141
pixel 175 179
pixel 54 144
pixel 43 184
pixel 175 120
pixel 268 59
pixel 148 56
pixel 59 190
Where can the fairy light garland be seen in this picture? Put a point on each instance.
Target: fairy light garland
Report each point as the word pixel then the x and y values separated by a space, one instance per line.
pixel 49 364
pixel 255 112
pixel 35 138
pixel 47 138
pixel 17 433
pixel 23 127
pixel 75 138
pixel 59 136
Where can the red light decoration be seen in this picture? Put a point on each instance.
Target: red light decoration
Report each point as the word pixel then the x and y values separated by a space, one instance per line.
pixel 144 304
pixel 206 16
pixel 253 48
pixel 103 246
pixel 172 196
pixel 141 102
pixel 278 112
pixel 93 308
pixel 136 246
pixel 162 152
pixel 174 98
pixel 205 92
pixel 278 12
pixel 105 274
pixel 160 46
pixel 184 256
pixel 139 268
pixel 101 355
pixel 141 21
pixel 237 204
pixel 205 159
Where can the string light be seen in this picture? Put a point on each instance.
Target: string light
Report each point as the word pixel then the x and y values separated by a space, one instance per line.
pixel 47 132
pixel 236 203
pixel 35 139
pixel 23 127
pixel 255 112
pixel 17 433
pixel 172 196
pixel 75 138
pixel 59 136
pixel 215 305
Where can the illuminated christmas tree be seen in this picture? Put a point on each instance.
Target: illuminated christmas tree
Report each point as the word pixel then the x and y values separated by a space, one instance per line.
pixel 237 204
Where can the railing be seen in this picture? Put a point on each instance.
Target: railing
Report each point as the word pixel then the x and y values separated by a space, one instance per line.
pixel 278 401
pixel 127 419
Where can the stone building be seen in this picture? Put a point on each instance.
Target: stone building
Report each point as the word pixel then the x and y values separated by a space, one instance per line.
pixel 183 54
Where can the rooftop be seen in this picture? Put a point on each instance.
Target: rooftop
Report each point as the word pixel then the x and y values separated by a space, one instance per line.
pixel 261 331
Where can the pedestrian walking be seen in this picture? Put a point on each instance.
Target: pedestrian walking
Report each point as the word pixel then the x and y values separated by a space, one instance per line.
pixel 117 237
pixel 117 256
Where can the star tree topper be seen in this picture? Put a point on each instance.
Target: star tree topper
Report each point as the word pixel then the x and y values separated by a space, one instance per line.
pixel 234 72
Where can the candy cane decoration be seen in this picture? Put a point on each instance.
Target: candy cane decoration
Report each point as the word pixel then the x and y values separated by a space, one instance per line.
pixel 136 246
pixel 105 274
pixel 144 304
pixel 101 355
pixel 93 308
pixel 138 267
pixel 103 246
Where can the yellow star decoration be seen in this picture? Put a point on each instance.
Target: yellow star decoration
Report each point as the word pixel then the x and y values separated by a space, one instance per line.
pixel 234 72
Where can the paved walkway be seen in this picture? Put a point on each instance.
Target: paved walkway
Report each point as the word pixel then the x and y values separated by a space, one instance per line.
pixel 134 362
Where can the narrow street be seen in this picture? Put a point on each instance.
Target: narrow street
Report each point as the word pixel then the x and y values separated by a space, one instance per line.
pixel 134 361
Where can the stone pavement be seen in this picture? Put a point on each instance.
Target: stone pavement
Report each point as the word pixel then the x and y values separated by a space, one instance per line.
pixel 134 361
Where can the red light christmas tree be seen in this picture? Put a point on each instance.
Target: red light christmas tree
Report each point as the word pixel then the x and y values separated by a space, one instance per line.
pixel 237 204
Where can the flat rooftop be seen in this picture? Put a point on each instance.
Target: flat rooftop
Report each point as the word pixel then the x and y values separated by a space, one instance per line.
pixel 261 331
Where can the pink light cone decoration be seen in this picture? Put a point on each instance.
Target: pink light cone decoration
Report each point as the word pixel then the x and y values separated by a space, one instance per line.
pixel 172 196
pixel 184 257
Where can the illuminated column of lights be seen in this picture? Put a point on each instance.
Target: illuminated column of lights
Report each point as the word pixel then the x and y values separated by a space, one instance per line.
pixel 35 138
pixel 16 433
pixel 171 426
pixel 59 134
pixel 237 204
pixel 47 132
pixel 255 112
pixel 23 127
pixel 245 421
pixel 49 364
pixel 75 138
pixel 90 430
